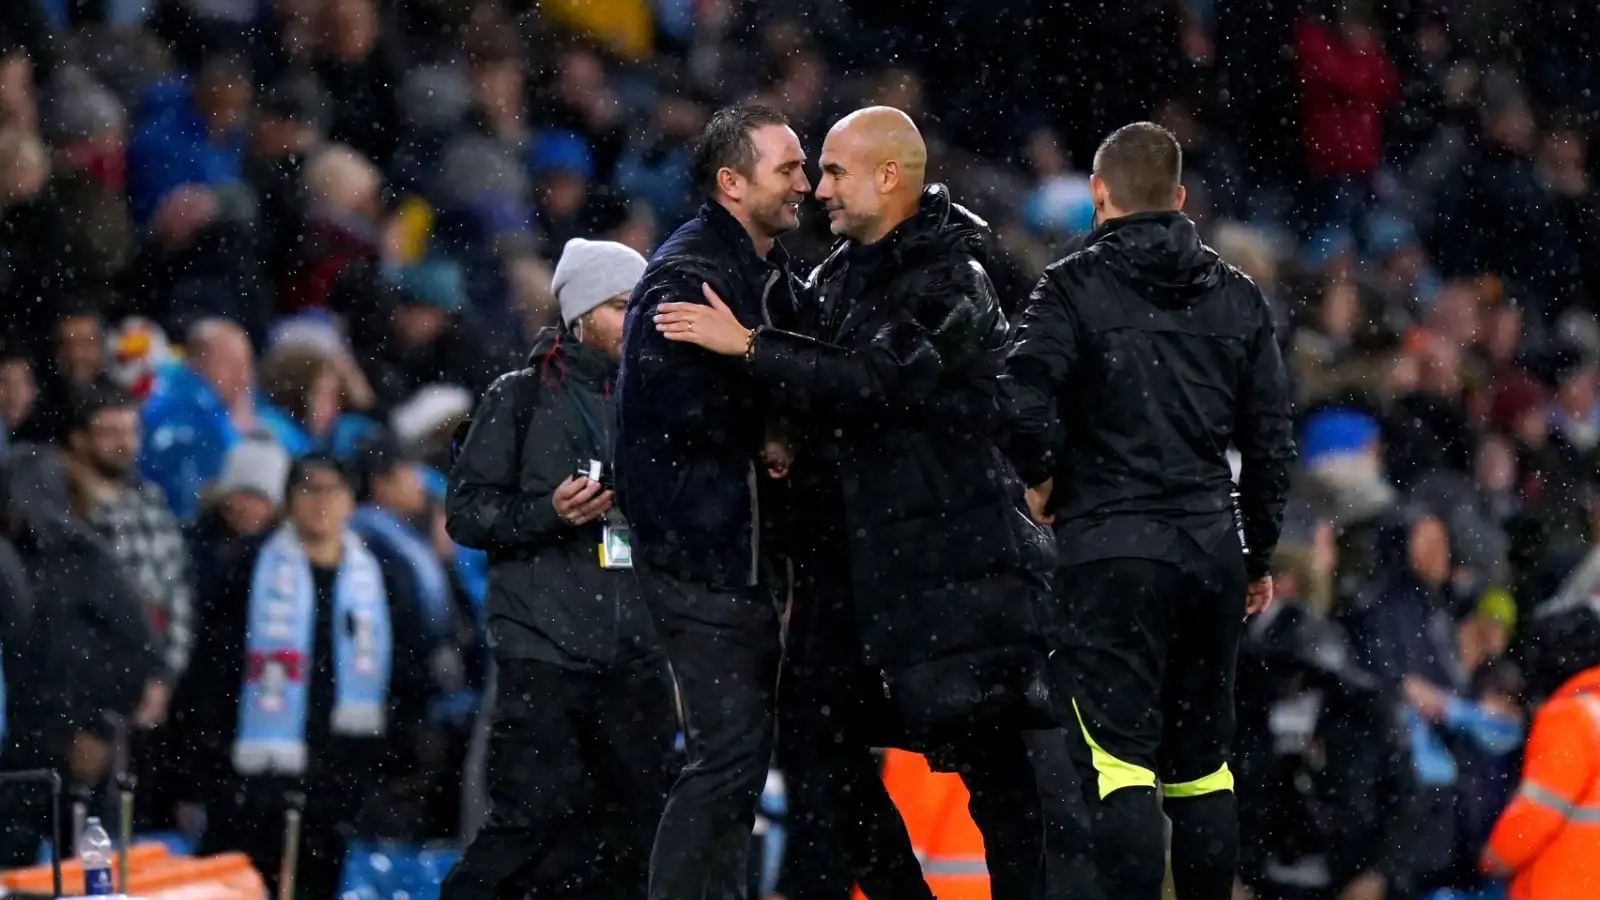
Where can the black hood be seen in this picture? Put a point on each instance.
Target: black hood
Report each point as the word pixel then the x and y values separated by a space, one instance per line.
pixel 558 355
pixel 1163 250
pixel 940 226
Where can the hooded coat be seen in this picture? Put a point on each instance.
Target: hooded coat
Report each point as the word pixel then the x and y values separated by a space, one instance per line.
pixel 891 370
pixel 1139 360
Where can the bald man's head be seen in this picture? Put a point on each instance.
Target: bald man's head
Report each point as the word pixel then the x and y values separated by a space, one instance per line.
pixel 220 351
pixel 873 164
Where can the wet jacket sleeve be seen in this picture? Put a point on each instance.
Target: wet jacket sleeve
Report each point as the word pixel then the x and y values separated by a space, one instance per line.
pixel 486 505
pixel 954 319
pixel 1043 357
pixel 1561 761
pixel 686 387
pixel 1264 435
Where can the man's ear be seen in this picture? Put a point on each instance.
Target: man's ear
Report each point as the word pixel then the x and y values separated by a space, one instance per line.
pixel 1099 194
pixel 888 176
pixel 1179 196
pixel 731 183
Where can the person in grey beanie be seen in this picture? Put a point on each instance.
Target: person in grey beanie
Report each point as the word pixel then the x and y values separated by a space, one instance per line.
pixel 581 740
pixel 592 274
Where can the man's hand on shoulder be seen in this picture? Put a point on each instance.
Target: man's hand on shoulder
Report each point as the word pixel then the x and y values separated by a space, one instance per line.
pixel 711 325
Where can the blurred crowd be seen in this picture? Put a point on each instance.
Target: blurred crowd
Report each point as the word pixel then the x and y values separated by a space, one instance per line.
pixel 239 234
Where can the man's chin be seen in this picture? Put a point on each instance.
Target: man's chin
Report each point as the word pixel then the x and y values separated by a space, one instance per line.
pixel 116 472
pixel 783 224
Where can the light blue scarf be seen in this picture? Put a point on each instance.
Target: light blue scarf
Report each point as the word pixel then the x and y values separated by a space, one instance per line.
pixel 374 523
pixel 279 645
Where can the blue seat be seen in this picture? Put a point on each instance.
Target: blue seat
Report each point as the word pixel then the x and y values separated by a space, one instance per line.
pixel 391 871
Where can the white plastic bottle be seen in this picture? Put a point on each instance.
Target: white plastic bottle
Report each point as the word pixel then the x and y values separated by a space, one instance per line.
pixel 94 853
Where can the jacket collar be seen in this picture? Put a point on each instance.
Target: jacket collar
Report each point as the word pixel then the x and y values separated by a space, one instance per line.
pixel 559 356
pixel 1161 219
pixel 907 241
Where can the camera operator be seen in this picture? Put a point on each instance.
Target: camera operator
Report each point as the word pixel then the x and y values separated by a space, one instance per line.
pixel 581 741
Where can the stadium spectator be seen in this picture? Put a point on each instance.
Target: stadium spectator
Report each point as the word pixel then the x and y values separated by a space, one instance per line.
pixel 307 675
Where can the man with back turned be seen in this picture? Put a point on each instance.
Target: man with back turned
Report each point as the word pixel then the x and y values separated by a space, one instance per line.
pixel 1139 359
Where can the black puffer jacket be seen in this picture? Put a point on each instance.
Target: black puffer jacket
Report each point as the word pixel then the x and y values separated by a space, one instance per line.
pixel 692 424
pixel 1139 360
pixel 895 381
pixel 548 598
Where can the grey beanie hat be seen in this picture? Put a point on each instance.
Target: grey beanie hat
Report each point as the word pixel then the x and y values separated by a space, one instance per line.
pixel 255 465
pixel 591 272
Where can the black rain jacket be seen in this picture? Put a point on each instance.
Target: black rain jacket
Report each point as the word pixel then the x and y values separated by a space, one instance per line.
pixel 1138 361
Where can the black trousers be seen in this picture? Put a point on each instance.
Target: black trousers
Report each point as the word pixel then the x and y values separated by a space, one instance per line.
pixel 251 819
pixel 1150 657
pixel 578 770
pixel 844 829
pixel 723 646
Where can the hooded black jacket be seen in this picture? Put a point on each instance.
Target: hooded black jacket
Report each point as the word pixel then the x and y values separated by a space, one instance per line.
pixel 548 599
pixel 1138 361
pixel 894 380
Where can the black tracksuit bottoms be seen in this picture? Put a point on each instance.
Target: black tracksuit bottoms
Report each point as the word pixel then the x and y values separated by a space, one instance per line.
pixel 723 646
pixel 1150 654
pixel 578 770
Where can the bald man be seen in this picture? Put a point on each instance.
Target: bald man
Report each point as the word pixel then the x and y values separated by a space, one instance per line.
pixel 922 600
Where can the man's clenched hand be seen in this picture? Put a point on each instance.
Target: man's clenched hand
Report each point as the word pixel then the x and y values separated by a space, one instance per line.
pixel 1039 499
pixel 1258 596
pixel 579 501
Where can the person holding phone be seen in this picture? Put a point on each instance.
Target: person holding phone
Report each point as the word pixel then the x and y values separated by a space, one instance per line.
pixel 581 741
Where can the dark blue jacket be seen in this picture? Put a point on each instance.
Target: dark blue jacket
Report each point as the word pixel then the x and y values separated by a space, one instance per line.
pixel 692 422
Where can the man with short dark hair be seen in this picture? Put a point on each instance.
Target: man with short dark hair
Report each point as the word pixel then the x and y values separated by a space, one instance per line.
pixel 1140 166
pixel 103 438
pixel 1139 360
pixel 688 479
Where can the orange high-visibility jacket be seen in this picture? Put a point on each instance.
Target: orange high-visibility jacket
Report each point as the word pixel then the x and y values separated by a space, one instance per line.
pixel 1549 835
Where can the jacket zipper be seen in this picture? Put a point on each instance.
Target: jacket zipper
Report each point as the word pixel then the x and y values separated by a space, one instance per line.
pixel 606 412
pixel 754 477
